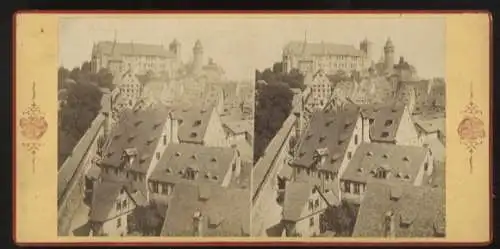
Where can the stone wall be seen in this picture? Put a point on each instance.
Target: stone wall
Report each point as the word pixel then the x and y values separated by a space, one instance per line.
pixel 71 175
pixel 265 210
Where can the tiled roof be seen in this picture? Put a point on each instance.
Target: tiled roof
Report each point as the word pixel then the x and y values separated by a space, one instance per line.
pixel 330 130
pixel 240 126
pixel 311 49
pixel 193 123
pixel 422 207
pixel 226 212
pixel 132 49
pixel 138 129
pixel 431 125
pixel 296 195
pixel 386 120
pixel 211 162
pixel 401 161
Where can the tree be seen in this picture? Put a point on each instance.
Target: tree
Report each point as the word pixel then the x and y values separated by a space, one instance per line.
pixel 274 104
pixel 342 218
pixel 146 220
pixel 62 75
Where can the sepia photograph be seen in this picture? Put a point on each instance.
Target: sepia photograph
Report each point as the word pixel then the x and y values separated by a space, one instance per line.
pixel 356 146
pixel 155 132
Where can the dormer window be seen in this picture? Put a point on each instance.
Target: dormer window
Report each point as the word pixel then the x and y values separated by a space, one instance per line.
pixel 371 120
pixel 197 123
pixel 194 134
pixel 407 177
pixel 388 122
pixel 214 159
pixel 369 153
pixel 215 178
pixel 168 170
pixel 322 138
pixel 177 154
pixel 385 156
pixel 384 134
pixel 194 157
pixel 406 159
pixel 360 170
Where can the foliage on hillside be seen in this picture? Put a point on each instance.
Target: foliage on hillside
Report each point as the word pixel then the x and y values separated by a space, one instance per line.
pixel 80 102
pixel 273 104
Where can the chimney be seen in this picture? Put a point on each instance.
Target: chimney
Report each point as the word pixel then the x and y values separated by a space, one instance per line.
pixel 389 224
pixel 198 224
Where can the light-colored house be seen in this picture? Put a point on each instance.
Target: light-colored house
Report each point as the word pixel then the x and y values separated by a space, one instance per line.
pixel 112 205
pixel 130 87
pixel 389 123
pixel 397 164
pixel 304 208
pixel 321 91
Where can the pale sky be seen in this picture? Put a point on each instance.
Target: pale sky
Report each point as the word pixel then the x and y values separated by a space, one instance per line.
pixel 242 44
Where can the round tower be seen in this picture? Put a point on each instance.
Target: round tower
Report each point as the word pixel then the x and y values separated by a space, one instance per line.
pixel 367 47
pixel 388 55
pixel 198 56
pixel 175 48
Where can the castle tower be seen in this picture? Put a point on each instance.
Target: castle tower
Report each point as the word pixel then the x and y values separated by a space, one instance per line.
pixel 367 47
pixel 388 55
pixel 175 48
pixel 198 57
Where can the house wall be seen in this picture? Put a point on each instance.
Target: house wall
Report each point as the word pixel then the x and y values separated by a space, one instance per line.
pixel 265 210
pixel 366 130
pixel 158 153
pixel 407 133
pixel 308 214
pixel 215 135
pixel 353 145
pixel 110 226
pixel 352 191
pixel 423 170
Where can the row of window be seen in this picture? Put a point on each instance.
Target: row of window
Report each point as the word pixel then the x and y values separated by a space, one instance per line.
pixel 357 187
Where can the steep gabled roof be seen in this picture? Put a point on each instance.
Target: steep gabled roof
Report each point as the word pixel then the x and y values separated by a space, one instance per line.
pixel 119 49
pixel 330 130
pixel 403 162
pixel 193 123
pixel 138 129
pixel 225 212
pixel 418 211
pixel 311 49
pixel 212 163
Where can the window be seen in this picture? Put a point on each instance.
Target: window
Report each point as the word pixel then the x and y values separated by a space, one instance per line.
pixel 349 155
pixel 311 205
pixel 119 222
pixel 385 134
pixel 118 206
pixel 426 166
pixel 347 187
pixel 154 187
pixel 298 171
pixel 388 123
pixel 316 203
pixel 311 221
pixel 124 204
pixel 157 155
pixel 356 139
pixel 164 140
pixel 371 120
pixel 308 172
pixel 356 188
